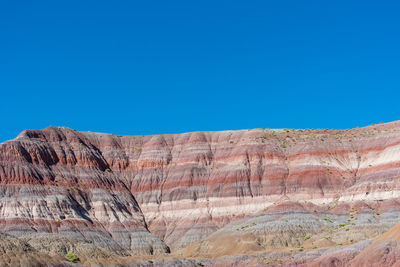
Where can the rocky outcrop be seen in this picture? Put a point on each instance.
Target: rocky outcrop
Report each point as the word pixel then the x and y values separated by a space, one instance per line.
pixel 56 184
pixel 14 252
pixel 135 195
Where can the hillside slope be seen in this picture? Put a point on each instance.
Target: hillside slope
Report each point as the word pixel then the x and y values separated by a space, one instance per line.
pixel 108 196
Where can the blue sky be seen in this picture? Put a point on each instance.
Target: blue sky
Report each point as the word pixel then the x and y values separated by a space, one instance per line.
pixel 150 67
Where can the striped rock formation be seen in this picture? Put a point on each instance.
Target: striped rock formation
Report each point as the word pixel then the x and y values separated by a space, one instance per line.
pixel 104 195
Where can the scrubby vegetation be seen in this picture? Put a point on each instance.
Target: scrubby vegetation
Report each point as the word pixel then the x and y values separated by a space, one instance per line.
pixel 72 257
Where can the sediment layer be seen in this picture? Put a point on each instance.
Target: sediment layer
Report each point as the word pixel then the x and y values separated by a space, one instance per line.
pixel 135 195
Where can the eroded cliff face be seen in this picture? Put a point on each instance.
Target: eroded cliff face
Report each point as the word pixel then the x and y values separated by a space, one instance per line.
pixel 109 195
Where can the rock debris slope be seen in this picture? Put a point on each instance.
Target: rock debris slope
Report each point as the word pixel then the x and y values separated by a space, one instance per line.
pixel 202 194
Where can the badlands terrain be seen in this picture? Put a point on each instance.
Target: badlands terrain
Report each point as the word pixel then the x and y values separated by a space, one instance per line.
pixel 257 197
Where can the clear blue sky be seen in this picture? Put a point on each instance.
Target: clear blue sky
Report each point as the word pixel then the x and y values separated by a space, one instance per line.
pixel 149 67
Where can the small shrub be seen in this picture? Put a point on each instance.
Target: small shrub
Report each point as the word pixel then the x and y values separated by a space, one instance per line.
pixel 307 237
pixel 72 257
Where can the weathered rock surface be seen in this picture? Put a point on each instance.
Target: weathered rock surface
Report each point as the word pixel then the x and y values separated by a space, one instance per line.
pixel 14 252
pixel 384 251
pixel 250 191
